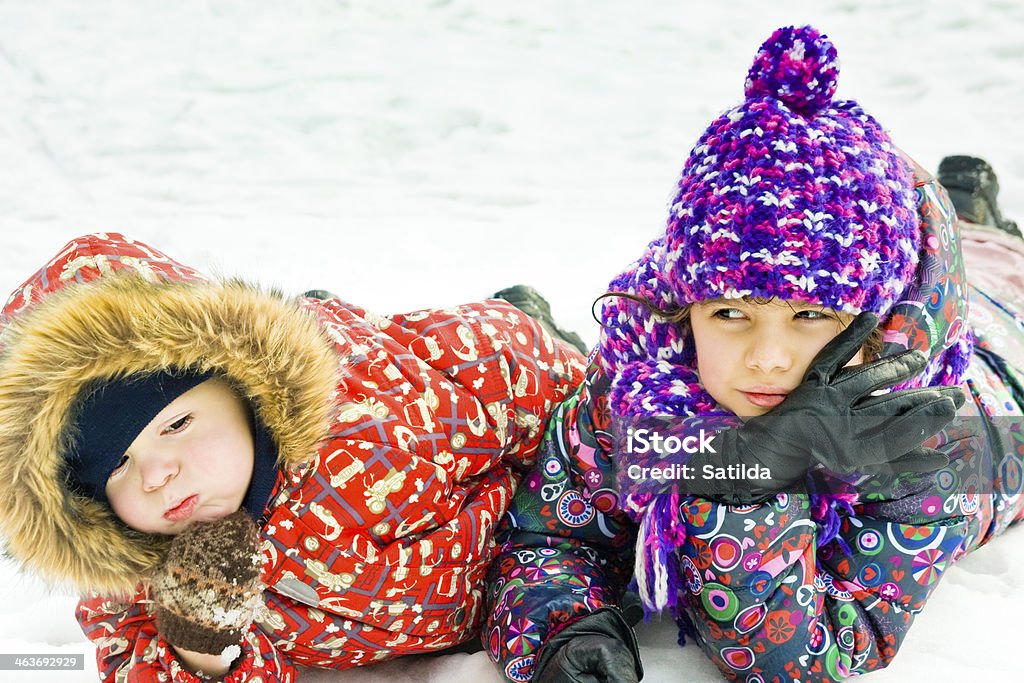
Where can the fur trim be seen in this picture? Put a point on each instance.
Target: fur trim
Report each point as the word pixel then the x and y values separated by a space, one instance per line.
pixel 274 351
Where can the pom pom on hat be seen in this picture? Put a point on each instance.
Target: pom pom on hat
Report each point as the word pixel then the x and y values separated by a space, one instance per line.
pixel 799 67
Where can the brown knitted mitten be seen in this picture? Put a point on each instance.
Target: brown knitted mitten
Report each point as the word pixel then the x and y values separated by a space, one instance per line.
pixel 207 590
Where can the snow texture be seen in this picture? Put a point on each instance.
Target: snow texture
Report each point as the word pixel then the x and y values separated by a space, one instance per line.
pixel 421 153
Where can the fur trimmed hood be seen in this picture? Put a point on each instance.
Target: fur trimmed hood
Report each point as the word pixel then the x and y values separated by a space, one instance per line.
pixel 90 316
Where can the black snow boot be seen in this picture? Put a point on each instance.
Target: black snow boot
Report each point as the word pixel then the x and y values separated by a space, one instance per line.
pixel 973 187
pixel 529 301
pixel 321 294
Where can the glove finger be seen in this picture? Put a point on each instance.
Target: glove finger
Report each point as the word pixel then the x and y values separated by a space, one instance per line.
pixel 883 373
pixel 902 434
pixel 955 393
pixel 842 348
pixel 869 405
pixel 881 439
pixel 935 401
pixel 921 460
pixel 605 664
pixel 590 659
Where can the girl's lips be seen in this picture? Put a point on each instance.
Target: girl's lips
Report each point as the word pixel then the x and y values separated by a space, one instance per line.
pixel 764 400
pixel 182 510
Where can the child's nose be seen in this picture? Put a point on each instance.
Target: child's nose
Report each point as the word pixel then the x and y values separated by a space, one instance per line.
pixel 768 354
pixel 157 471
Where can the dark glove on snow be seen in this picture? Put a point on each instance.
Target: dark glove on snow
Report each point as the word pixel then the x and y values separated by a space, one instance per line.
pixel 599 648
pixel 832 419
pixel 207 590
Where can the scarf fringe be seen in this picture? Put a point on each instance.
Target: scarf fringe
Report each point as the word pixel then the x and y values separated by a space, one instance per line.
pixel 657 569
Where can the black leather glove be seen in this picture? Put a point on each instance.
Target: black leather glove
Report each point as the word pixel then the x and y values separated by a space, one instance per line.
pixel 599 648
pixel 833 420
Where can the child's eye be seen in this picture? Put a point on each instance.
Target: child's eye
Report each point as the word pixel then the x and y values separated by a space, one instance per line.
pixel 122 465
pixel 811 314
pixel 178 425
pixel 728 314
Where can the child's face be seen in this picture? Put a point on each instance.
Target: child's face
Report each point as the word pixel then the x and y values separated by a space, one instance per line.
pixel 191 463
pixel 751 355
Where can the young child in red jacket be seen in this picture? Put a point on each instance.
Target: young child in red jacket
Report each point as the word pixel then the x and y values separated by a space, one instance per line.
pixel 239 483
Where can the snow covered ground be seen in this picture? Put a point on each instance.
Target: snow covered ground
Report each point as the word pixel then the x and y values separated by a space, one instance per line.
pixel 426 153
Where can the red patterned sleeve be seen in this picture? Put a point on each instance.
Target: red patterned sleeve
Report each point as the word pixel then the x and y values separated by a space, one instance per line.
pixel 504 358
pixel 128 646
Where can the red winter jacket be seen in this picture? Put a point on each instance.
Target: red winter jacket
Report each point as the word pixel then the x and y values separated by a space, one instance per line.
pixel 398 442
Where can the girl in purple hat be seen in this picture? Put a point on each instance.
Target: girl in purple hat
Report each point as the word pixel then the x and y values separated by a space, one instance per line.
pixel 808 292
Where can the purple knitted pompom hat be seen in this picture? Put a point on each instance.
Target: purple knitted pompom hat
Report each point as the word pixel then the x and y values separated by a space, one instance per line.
pixel 793 195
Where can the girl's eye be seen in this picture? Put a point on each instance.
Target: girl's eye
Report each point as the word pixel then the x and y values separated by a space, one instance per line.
pixel 811 314
pixel 178 425
pixel 728 314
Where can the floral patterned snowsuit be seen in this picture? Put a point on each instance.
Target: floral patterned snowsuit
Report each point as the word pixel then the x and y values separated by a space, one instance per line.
pixel 762 599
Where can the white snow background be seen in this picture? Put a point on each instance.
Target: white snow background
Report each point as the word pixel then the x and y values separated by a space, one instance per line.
pixel 414 154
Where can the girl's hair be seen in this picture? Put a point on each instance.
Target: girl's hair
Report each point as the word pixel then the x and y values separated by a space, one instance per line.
pixel 680 316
